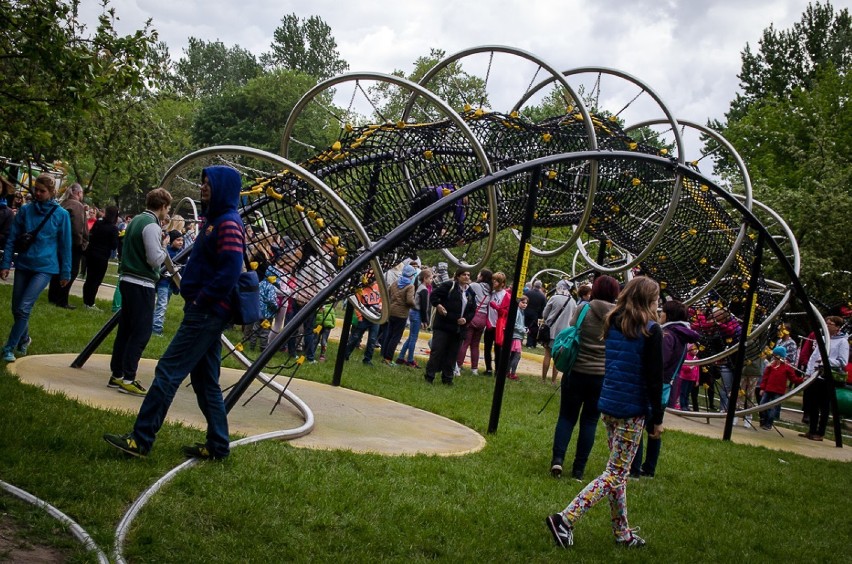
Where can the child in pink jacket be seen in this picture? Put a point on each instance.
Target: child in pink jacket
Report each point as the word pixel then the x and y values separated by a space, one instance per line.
pixel 688 376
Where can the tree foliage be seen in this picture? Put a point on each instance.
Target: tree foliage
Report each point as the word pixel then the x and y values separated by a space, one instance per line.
pixel 305 45
pixel 790 60
pixel 209 67
pixel 57 76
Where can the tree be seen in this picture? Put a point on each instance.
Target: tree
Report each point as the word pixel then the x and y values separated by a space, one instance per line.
pixel 789 60
pixel 454 86
pixel 209 67
pixel 254 115
pixel 56 76
pixel 305 45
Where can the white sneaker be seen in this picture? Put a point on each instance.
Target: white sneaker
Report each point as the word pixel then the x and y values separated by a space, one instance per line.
pixel 456 370
pixel 475 372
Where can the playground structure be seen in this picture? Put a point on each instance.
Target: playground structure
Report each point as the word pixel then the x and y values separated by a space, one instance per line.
pixel 628 196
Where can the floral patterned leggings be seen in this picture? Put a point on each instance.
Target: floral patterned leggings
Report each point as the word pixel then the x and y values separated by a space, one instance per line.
pixel 623 436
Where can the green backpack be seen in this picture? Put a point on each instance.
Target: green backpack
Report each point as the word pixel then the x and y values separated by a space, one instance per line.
pixel 566 345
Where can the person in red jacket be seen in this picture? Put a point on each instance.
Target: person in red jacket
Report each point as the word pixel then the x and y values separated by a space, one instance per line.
pixel 773 385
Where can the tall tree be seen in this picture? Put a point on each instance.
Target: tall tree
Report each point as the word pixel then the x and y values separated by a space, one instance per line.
pixel 788 60
pixel 57 75
pixel 305 45
pixel 209 67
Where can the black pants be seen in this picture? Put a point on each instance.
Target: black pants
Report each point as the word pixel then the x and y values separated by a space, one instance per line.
pixel 134 329
pixel 97 268
pixel 820 401
pixel 490 345
pixel 442 354
pixel 58 295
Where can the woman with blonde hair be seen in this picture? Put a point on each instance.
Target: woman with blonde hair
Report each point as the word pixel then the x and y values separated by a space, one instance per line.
pixel 632 390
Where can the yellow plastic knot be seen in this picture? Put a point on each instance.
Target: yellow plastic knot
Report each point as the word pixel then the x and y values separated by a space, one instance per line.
pixel 578 117
pixel 299 208
pixel 745 286
pixel 693 281
pixel 272 279
pixel 702 260
pixel 632 145
pixel 551 174
pixel 301 360
pixel 320 222
pixel 546 137
pixel 514 115
pixel 636 182
pixel 238 347
pixel 253 265
pixel 270 191
pixel 427 154
pixel 265 324
pixel 312 214
pixel 332 240
pixel 664 151
pixel 336 146
pixel 663 284
pixel 340 250
pixel 479 112
pixel 613 119
pixel 704 188
pixel 467 107
pixel 317 329
pixel 693 231
pixel 400 124
pixel 348 127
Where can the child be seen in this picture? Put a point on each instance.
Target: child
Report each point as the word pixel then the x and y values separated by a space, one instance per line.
pixel 165 287
pixel 268 309
pixel 325 319
pixel 688 377
pixel 774 384
pixel 519 331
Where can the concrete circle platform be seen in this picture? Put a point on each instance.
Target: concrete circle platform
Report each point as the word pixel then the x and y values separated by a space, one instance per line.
pixel 344 419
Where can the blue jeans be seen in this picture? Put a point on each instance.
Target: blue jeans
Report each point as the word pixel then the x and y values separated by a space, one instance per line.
pixel 308 336
pixel 393 334
pixel 727 382
pixel 578 391
pixel 195 350
pixel 413 331
pixel 769 416
pixel 356 336
pixel 25 291
pixel 164 293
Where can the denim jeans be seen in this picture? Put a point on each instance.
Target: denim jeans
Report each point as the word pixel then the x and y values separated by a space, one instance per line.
pixel 195 350
pixel 25 291
pixel 413 331
pixel 769 416
pixel 393 334
pixel 308 336
pixel 358 334
pixel 726 383
pixel 164 293
pixel 579 391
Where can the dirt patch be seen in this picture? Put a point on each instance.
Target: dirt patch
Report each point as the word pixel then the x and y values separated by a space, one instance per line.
pixel 14 547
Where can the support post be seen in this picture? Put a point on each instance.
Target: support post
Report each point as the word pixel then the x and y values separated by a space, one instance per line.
pixel 517 286
pixel 341 346
pixel 739 358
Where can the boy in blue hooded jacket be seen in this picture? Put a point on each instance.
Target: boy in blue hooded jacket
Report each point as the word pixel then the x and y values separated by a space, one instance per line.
pixel 210 275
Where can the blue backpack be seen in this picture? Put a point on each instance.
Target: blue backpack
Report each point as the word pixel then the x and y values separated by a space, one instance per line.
pixel 566 346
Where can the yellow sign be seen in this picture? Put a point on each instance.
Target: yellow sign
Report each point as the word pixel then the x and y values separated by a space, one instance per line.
pixel 519 291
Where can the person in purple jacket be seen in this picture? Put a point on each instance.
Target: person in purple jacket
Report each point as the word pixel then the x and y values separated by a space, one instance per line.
pixel 210 275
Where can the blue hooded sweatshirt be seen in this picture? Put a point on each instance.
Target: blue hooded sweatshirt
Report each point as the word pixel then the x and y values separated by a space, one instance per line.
pixel 51 251
pixel 216 259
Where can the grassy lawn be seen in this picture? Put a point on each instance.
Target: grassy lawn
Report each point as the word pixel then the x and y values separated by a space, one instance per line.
pixel 270 502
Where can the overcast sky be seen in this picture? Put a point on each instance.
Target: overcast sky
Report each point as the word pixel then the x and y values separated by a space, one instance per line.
pixel 688 51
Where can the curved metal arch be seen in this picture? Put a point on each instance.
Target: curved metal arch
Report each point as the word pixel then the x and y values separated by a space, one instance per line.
pixel 337 203
pixel 556 76
pixel 451 114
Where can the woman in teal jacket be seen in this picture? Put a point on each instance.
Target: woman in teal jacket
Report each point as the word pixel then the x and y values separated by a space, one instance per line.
pixel 49 254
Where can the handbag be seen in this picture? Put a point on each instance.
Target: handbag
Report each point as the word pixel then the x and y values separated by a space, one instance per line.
pixel 25 240
pixel 566 346
pixel 245 300
pixel 478 321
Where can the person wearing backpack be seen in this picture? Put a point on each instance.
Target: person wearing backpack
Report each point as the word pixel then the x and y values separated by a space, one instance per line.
pixel 632 390
pixel 677 335
pixel 558 312
pixel 581 388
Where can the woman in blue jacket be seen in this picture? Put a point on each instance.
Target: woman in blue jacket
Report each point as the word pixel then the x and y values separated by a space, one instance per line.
pixel 632 390
pixel 49 254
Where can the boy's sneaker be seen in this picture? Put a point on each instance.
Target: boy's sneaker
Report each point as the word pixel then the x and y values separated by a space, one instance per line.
pixel 456 370
pixel 199 450
pixel 632 540
pixel 114 382
pixel 133 388
pixel 22 349
pixel 8 356
pixel 126 443
pixel 474 371
pixel 556 468
pixel 577 475
pixel 322 358
pixel 563 533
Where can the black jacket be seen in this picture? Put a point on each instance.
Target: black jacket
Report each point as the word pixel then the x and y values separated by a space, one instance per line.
pixel 449 295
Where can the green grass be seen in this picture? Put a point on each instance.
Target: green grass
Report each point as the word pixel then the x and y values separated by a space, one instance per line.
pixel 270 502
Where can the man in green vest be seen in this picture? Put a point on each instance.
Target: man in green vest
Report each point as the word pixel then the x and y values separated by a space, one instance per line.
pixel 138 273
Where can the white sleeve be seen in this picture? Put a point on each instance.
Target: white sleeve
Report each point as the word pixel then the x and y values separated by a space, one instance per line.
pixel 152 238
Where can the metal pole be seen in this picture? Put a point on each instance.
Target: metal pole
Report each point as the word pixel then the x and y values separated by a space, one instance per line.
pixel 96 341
pixel 517 286
pixel 739 358
pixel 341 346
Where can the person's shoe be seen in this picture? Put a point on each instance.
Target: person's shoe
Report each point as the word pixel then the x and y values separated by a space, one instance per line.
pixel 93 308
pixel 766 427
pixel 125 443
pixel 367 362
pixel 556 468
pixel 199 450
pixel 401 362
pixel 8 356
pixel 489 373
pixel 512 376
pixel 413 364
pixel 114 382
pixel 67 306
pixel 646 474
pixel 634 476
pixel 456 370
pixel 450 383
pixel 577 475
pixel 815 437
pixel 632 540
pixel 429 380
pixel 474 371
pixel 322 358
pixel 133 388
pixel 563 533
pixel 22 349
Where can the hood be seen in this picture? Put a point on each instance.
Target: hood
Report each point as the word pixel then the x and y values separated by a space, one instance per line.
pixel 225 185
pixel 683 330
